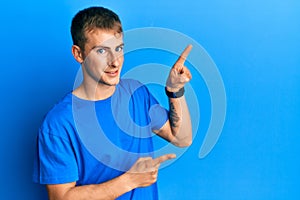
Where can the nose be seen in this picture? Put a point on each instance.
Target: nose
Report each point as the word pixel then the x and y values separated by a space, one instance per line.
pixel 114 60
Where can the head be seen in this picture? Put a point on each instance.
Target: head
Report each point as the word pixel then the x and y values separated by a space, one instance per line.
pixel 98 44
pixel 93 18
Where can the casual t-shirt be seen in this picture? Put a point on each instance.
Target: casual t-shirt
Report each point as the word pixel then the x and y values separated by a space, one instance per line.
pixel 91 142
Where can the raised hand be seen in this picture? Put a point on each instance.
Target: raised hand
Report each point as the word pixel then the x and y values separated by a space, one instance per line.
pixel 179 74
pixel 144 172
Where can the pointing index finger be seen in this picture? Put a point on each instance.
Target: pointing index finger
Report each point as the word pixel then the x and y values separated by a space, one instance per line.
pixel 184 54
pixel 163 158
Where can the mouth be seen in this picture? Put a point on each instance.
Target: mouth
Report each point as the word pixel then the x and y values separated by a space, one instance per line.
pixel 112 73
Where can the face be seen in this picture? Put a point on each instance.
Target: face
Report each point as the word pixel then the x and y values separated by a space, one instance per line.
pixel 103 57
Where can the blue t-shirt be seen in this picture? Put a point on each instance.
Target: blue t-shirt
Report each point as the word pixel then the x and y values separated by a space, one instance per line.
pixel 91 142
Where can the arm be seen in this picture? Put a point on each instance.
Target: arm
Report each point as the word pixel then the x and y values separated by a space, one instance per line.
pixel 108 190
pixel 143 173
pixel 178 129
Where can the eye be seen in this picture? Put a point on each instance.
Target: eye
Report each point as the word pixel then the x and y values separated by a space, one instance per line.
pixel 101 51
pixel 120 48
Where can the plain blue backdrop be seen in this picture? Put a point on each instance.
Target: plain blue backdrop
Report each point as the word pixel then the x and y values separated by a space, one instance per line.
pixel 256 46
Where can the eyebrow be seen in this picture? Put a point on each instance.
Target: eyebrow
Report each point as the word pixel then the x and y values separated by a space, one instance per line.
pixel 105 47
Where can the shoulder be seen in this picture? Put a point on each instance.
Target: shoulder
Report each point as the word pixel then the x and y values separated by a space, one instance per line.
pixel 59 116
pixel 132 86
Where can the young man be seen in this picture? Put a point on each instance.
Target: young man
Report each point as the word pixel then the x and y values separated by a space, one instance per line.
pixel 123 166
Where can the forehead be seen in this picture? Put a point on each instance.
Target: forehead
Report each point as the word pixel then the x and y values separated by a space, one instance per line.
pixel 108 38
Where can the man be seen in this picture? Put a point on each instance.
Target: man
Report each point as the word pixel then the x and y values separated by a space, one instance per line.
pixel 122 166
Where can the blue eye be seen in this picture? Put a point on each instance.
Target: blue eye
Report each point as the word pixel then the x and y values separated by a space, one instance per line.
pixel 101 51
pixel 120 48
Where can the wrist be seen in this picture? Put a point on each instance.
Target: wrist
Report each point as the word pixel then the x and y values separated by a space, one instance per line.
pixel 174 92
pixel 127 180
pixel 172 89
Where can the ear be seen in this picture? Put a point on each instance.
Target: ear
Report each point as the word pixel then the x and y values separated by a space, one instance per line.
pixel 77 53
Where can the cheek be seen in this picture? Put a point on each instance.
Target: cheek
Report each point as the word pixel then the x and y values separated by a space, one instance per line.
pixel 95 63
pixel 121 59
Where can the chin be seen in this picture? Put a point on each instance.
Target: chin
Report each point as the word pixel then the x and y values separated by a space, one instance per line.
pixel 116 82
pixel 111 83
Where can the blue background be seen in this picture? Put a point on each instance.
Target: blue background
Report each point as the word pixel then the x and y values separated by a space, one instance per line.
pixel 256 46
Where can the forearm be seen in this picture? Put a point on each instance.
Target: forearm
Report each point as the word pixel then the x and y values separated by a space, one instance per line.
pixel 107 191
pixel 180 122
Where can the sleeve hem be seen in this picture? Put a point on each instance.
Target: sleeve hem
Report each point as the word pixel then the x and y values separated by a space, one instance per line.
pixel 61 180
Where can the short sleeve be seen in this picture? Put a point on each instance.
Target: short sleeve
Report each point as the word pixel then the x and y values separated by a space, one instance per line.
pixel 158 116
pixel 157 113
pixel 142 104
pixel 54 161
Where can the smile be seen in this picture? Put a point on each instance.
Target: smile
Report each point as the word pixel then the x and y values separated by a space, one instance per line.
pixel 112 73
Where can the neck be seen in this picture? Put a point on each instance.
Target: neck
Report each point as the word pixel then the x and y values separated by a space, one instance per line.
pixel 94 92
